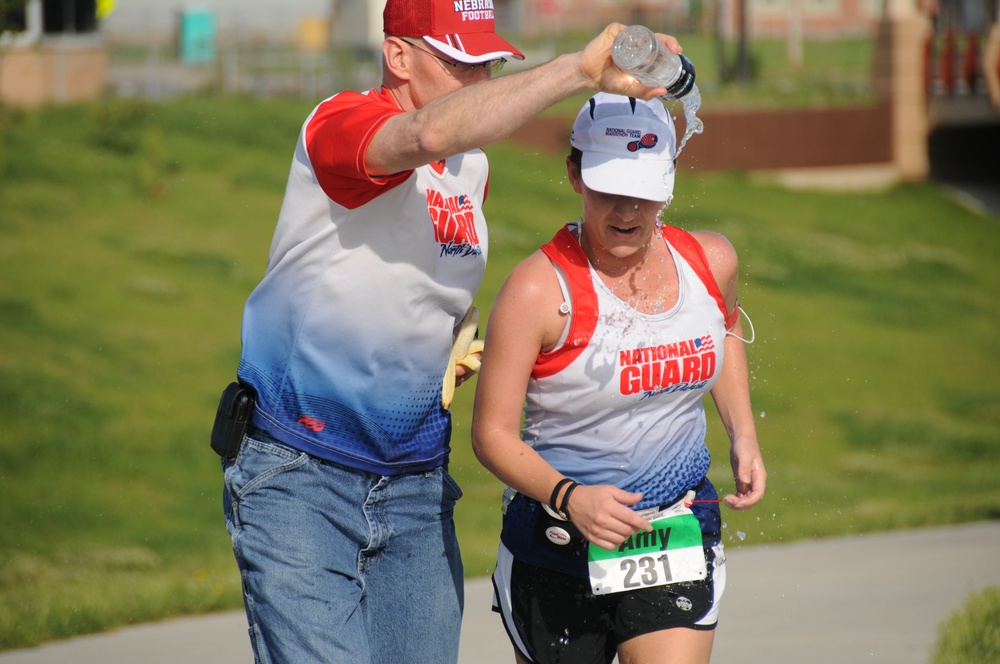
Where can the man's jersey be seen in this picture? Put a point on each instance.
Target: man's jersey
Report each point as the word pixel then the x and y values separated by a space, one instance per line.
pixel 347 337
pixel 620 402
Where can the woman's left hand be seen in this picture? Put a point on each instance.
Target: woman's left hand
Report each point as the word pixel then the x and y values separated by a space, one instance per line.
pixel 749 473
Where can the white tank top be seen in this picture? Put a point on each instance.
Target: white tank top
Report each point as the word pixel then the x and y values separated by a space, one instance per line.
pixel 620 402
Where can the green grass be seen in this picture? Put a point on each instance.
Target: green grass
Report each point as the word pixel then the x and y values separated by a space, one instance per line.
pixel 131 235
pixel 972 634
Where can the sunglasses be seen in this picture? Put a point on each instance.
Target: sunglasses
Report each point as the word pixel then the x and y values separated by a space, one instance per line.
pixel 492 66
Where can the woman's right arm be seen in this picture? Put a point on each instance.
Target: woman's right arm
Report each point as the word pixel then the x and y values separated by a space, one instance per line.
pixel 524 320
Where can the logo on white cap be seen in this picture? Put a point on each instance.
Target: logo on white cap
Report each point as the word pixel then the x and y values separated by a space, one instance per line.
pixel 628 146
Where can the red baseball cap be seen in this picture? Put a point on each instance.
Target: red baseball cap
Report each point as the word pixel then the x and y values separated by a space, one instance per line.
pixel 460 29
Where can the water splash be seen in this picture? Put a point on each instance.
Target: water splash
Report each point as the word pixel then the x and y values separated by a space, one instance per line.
pixel 691 103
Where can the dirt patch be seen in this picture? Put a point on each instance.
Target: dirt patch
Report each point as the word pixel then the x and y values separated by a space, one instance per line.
pixel 547 134
pixel 760 140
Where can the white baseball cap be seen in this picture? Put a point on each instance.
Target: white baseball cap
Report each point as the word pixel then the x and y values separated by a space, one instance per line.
pixel 628 146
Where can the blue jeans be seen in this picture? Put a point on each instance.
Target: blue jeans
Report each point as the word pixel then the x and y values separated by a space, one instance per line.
pixel 340 565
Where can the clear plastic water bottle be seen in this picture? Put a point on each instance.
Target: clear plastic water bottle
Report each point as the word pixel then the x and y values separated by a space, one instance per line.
pixel 637 51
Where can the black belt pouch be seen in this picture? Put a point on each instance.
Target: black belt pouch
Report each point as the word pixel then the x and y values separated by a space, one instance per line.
pixel 231 420
pixel 570 540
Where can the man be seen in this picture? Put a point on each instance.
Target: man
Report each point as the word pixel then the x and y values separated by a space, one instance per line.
pixel 338 501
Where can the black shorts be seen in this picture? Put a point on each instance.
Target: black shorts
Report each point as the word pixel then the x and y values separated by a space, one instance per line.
pixel 552 617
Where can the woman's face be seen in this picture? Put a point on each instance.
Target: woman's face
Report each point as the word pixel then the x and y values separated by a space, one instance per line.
pixel 615 226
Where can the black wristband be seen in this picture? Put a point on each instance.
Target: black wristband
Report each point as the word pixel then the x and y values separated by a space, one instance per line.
pixel 564 506
pixel 555 492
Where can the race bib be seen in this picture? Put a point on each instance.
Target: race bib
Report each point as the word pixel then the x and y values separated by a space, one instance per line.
pixel 673 552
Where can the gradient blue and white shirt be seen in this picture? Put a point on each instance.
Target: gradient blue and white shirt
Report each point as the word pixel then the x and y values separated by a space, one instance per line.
pixel 347 337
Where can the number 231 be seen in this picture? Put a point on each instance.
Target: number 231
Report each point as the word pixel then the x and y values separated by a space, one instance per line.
pixel 647 575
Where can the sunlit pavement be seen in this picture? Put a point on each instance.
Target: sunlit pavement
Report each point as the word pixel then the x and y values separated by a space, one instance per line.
pixel 871 598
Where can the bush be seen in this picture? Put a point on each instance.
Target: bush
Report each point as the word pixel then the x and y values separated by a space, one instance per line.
pixel 972 634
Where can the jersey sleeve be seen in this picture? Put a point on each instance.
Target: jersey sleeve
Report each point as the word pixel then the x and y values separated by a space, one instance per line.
pixel 337 135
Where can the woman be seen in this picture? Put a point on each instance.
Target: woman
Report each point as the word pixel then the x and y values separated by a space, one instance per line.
pixel 608 338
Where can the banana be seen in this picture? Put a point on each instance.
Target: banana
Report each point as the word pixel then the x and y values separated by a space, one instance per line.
pixel 471 359
pixel 461 353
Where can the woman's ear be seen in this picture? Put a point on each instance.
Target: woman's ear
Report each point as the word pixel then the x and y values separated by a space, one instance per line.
pixel 573 173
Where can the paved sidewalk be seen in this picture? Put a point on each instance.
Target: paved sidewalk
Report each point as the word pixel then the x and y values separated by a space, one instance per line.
pixel 872 598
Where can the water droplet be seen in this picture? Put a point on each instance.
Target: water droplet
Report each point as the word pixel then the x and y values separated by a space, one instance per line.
pixel 691 102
